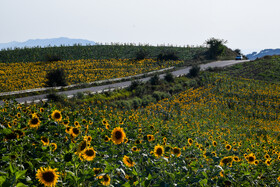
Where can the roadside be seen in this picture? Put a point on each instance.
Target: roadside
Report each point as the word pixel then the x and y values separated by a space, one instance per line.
pixel 112 86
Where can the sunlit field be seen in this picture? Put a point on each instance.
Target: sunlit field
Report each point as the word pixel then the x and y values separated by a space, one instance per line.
pixel 21 76
pixel 223 133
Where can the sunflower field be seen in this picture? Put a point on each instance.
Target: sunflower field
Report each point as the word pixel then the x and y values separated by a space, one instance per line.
pixel 29 75
pixel 223 133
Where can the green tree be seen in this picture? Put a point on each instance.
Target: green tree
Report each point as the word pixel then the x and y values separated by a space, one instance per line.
pixel 216 47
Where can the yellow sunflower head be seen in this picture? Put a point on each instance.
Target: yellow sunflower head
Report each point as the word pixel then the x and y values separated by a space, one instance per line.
pixel 89 154
pixel 45 140
pixel 56 115
pixel 118 135
pixel 158 151
pixel 176 151
pixel 34 122
pixel 47 176
pixel 105 180
pixel 128 162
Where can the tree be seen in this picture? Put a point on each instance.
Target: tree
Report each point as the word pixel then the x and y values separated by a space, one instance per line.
pixel 238 51
pixel 56 78
pixel 216 47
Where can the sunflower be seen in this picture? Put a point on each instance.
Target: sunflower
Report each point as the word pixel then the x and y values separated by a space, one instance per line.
pixel 251 158
pixel 118 135
pixel 214 143
pixel 236 159
pixel 226 161
pixel 97 171
pixel 68 129
pixel 45 140
pixel 88 138
pixel 106 138
pixel 150 137
pixel 278 179
pixel 82 146
pixel 268 162
pixel 54 146
pixel 266 156
pixel 134 149
pixel 256 162
pixel 107 126
pixel 128 161
pixel 75 131
pixel 190 141
pixel 104 122
pixel 176 151
pixel 47 176
pixel 89 154
pixel 34 122
pixel 56 115
pixel 66 122
pixel 105 179
pixel 228 147
pixel 158 151
pixel 42 110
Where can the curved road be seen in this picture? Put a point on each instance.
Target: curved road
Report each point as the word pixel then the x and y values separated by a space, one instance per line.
pixel 99 89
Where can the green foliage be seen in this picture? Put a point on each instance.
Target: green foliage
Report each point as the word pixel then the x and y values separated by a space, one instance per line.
pixel 94 52
pixel 265 69
pixel 169 77
pixel 56 78
pixel 216 47
pixel 167 55
pixel 154 80
pixel 194 71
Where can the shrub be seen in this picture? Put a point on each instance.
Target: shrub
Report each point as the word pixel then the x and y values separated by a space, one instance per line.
pixel 194 71
pixel 135 84
pixel 170 55
pixel 160 95
pixel 154 80
pixel 55 97
pixel 56 78
pixel 169 77
pixel 147 99
pixel 141 54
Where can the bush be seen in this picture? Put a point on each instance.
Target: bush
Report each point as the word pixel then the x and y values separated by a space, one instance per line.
pixel 56 78
pixel 147 99
pixel 55 97
pixel 135 84
pixel 141 54
pixel 154 80
pixel 160 95
pixel 194 71
pixel 169 77
pixel 170 55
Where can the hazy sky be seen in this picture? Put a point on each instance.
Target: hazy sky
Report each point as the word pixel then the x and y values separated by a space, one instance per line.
pixel 246 24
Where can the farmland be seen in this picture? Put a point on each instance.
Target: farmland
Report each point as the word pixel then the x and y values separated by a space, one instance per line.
pixel 223 131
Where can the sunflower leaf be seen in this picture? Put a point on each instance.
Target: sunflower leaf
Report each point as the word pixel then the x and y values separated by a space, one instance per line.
pixel 19 174
pixel 21 185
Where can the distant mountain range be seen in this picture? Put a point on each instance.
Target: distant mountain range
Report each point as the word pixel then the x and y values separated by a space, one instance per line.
pixel 45 43
pixel 263 53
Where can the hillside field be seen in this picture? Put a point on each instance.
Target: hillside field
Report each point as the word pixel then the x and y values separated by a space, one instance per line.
pixel 224 131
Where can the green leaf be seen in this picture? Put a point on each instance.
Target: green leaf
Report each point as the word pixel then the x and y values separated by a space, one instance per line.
pixel 203 182
pixel 126 184
pixel 205 175
pixel 11 168
pixel 20 174
pixel 2 180
pixel 134 172
pixel 150 177
pixel 21 185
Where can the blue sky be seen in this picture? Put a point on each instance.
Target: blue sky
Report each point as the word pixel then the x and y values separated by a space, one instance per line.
pixel 247 24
